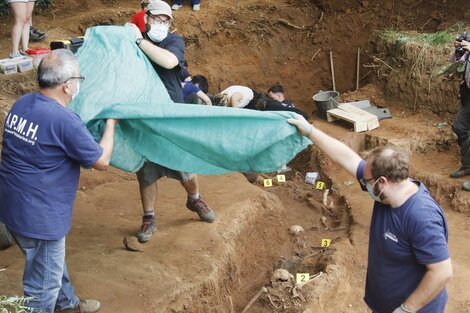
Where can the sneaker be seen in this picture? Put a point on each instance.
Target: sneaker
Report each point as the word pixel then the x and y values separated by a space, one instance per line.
pixel 196 7
pixel 149 226
pixel 460 173
pixel 36 35
pixel 205 213
pixel 466 186
pixel 175 7
pixel 84 306
pixel 17 54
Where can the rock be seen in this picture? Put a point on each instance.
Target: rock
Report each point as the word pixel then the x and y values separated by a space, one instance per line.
pixel 132 243
pixel 295 229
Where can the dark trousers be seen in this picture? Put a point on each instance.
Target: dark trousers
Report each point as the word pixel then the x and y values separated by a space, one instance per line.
pixel 180 2
pixel 461 126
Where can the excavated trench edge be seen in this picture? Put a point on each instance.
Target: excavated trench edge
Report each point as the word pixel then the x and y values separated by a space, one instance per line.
pixel 214 294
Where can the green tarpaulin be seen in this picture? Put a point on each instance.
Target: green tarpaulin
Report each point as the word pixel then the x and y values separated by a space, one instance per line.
pixel 121 83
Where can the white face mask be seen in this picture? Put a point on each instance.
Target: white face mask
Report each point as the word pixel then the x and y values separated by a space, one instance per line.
pixel 370 190
pixel 74 95
pixel 158 32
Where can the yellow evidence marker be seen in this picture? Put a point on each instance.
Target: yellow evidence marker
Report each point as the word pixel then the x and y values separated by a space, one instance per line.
pixel 302 278
pixel 281 178
pixel 320 185
pixel 268 182
pixel 325 242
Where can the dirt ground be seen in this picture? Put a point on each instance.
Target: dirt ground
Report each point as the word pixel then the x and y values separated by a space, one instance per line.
pixel 191 266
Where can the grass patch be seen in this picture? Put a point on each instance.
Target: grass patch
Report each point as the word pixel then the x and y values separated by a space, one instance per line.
pixel 434 39
pixel 14 304
pixel 427 54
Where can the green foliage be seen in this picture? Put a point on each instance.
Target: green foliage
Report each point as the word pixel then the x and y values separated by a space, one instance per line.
pixel 434 39
pixel 14 304
pixel 41 4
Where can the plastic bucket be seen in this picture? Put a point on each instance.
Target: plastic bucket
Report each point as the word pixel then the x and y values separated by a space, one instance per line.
pixel 325 100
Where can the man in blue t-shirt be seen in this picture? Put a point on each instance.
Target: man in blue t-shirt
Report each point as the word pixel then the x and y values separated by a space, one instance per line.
pixel 44 145
pixel 409 263
pixel 166 53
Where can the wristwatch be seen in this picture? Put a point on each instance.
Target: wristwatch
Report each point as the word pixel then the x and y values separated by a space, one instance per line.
pixel 138 41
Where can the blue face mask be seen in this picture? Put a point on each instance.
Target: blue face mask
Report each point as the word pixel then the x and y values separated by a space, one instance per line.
pixel 370 190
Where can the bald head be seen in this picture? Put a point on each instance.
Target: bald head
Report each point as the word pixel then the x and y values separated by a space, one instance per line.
pixel 390 162
pixel 56 68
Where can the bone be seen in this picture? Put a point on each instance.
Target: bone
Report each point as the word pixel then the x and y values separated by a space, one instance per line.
pixel 325 196
pixel 299 286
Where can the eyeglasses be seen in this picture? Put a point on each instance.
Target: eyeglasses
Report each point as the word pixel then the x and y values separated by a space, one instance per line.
pixel 81 78
pixel 156 20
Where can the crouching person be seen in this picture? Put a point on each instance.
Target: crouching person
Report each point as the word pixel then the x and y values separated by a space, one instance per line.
pixel 44 145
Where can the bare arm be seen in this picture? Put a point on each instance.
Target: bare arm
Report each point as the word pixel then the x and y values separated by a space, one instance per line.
pixel 435 279
pixel 235 99
pixel 162 57
pixel 205 99
pixel 337 151
pixel 107 143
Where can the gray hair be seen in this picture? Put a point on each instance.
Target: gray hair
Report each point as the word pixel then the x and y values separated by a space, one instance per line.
pixel 56 68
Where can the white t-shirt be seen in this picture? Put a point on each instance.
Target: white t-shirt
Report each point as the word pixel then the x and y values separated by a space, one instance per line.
pixel 245 91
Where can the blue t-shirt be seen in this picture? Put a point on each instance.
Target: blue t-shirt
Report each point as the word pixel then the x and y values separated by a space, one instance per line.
pixel 44 145
pixel 401 242
pixel 189 88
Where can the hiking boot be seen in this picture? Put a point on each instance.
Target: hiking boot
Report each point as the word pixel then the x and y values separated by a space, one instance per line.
pixel 149 226
pixel 466 185
pixel 84 306
pixel 460 173
pixel 196 7
pixel 205 213
pixel 36 35
pixel 175 7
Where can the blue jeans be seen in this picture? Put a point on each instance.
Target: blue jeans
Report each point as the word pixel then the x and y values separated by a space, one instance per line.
pixel 45 276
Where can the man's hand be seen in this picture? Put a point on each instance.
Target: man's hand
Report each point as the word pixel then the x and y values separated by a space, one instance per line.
pixel 112 121
pixel 138 34
pixel 402 309
pixel 465 45
pixel 304 127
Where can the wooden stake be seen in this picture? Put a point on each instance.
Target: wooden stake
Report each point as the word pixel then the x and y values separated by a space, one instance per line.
pixel 357 67
pixel 332 70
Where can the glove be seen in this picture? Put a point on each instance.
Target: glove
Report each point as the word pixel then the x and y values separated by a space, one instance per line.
pixel 304 127
pixel 402 309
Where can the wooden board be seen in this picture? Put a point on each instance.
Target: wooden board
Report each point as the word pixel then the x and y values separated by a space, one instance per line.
pixel 372 120
pixel 359 123
pixel 361 119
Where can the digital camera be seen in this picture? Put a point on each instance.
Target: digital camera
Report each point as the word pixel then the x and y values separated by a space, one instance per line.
pixel 460 51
